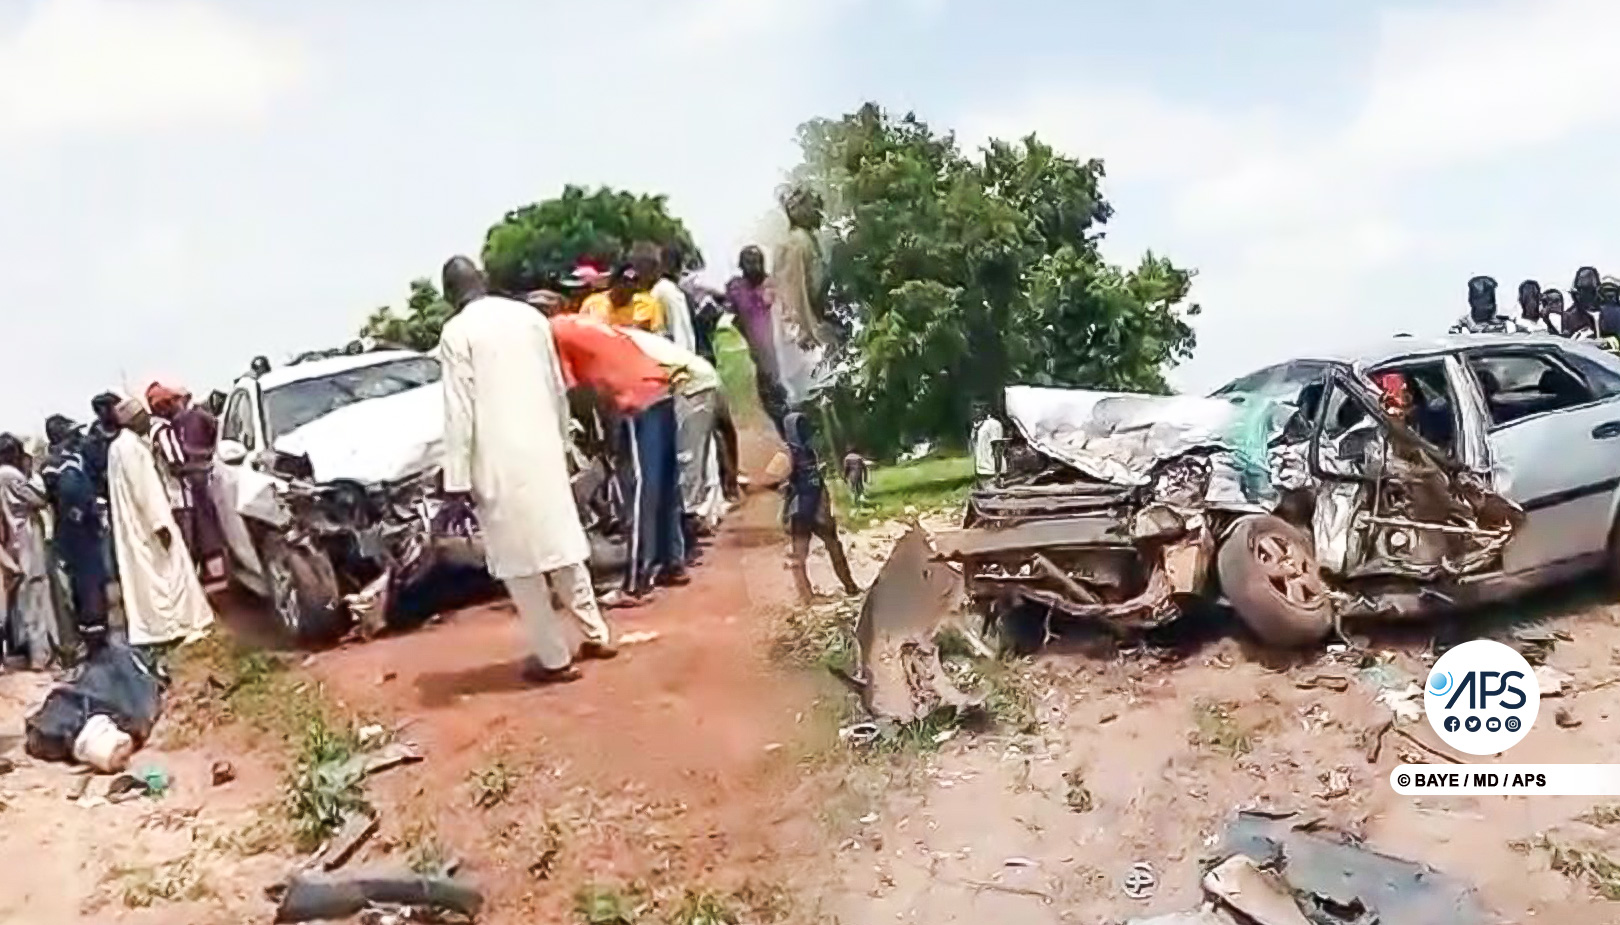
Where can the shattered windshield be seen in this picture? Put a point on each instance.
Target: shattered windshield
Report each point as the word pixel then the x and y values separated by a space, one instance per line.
pixel 291 406
pixel 1282 382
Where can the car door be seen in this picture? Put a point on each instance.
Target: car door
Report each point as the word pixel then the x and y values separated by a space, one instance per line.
pixel 238 429
pixel 1554 435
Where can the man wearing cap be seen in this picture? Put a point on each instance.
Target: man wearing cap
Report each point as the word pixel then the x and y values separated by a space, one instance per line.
pixel 506 434
pixel 1482 317
pixel 78 536
pixel 163 599
pixel 626 303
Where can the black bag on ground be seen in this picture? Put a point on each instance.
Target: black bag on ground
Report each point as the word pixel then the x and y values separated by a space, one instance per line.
pixel 116 682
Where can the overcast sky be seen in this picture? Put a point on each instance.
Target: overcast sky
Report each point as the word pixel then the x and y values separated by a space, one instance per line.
pixel 186 183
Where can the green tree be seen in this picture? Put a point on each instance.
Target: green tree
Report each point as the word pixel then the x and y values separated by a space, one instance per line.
pixel 537 245
pixel 957 275
pixel 418 326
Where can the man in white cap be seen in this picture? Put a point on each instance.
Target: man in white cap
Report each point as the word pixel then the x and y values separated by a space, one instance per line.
pixel 162 597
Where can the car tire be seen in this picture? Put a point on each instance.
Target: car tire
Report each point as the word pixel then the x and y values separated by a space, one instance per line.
pixel 1269 573
pixel 304 594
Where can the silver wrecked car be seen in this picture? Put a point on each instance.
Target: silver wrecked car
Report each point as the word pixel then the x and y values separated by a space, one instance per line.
pixel 1400 480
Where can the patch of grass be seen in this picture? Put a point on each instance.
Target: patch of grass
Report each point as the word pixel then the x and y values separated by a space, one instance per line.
pixel 321 788
pixel 736 369
pixel 262 834
pixel 492 784
pixel 1007 695
pixel 820 636
pixel 705 907
pixel 175 880
pixel 607 904
pixel 1596 869
pixel 928 484
pixel 1218 730
pixel 1602 816
pixel 218 681
pixel 425 852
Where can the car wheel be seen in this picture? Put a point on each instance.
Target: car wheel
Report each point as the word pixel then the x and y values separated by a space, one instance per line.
pixel 304 593
pixel 1270 575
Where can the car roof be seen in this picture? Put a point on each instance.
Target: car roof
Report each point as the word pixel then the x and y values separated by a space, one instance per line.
pixel 1395 348
pixel 316 369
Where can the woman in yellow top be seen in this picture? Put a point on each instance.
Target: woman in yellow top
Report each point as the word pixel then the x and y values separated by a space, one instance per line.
pixel 626 304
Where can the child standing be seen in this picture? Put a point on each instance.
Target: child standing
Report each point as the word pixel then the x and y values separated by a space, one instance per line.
pixel 806 510
pixel 855 475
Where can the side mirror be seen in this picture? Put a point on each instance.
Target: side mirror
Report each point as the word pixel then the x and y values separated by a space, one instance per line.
pixel 231 453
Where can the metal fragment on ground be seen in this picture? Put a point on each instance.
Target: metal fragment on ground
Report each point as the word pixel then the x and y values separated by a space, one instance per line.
pixel 1238 883
pixel 901 676
pixel 309 898
pixel 1331 877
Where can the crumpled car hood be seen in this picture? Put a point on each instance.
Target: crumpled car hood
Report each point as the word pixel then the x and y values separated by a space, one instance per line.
pixel 379 440
pixel 1119 437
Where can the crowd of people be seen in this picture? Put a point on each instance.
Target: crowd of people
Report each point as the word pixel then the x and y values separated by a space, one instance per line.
pixel 1591 312
pixel 119 513
pixel 121 504
pixel 631 348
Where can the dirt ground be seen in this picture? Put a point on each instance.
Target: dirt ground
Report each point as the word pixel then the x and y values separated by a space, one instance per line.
pixel 693 770
pixel 1144 757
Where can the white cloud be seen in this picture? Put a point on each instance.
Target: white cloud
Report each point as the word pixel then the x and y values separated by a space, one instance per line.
pixel 86 66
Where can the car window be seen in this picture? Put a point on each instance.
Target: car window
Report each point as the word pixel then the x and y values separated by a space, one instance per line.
pixel 1604 379
pixel 1282 382
pixel 238 422
pixel 291 406
pixel 1518 385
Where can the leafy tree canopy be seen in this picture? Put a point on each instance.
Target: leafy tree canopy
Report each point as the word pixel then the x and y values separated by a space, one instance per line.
pixel 537 245
pixel 418 326
pixel 957 275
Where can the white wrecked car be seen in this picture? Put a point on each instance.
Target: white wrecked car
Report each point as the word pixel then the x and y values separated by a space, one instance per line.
pixel 1413 477
pixel 325 479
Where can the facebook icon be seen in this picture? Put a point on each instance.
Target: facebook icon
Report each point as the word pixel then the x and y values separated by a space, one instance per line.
pixel 1452 723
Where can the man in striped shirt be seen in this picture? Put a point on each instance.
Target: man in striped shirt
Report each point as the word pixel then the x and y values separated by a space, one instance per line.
pixel 170 453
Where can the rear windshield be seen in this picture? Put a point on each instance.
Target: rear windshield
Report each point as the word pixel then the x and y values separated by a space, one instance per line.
pixel 291 406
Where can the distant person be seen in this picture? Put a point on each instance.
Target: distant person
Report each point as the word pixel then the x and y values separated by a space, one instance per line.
pixel 185 468
pixel 807 510
pixel 215 404
pixel 707 303
pixel 258 367
pixel 162 596
pixel 660 277
pixel 1552 311
pixel 636 392
pixel 506 424
pixel 33 620
pixel 1608 308
pixel 1581 319
pixel 856 474
pixel 799 278
pixel 1531 318
pixel 1482 317
pixel 988 434
pixel 626 303
pixel 79 538
pixel 751 296
pixel 103 429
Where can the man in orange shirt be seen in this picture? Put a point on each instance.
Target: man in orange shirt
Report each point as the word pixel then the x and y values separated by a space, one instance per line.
pixel 636 390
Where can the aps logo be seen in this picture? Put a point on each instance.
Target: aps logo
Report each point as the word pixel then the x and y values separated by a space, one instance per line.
pixel 1481 697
